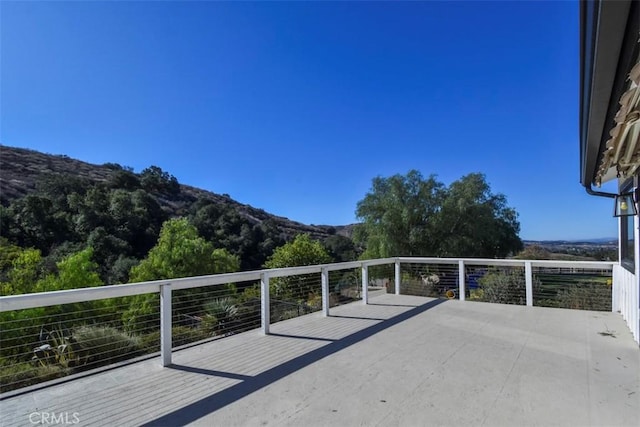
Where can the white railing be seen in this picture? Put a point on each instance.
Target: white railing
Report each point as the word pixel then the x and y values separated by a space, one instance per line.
pixel 165 287
pixel 626 299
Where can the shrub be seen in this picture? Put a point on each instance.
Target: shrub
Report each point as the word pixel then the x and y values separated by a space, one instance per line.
pixel 503 286
pixel 180 335
pixel 20 375
pixel 57 346
pixel 585 296
pixel 102 345
pixel 225 311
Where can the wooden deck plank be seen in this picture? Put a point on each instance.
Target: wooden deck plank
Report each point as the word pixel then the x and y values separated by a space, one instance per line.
pixel 399 361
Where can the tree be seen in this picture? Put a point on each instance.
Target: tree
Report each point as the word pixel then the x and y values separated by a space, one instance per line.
pixel 474 222
pixel 154 179
pixel 78 270
pixel 340 248
pixel 412 216
pixel 301 251
pixel 181 252
pixel 534 252
pixel 397 216
pixel 23 273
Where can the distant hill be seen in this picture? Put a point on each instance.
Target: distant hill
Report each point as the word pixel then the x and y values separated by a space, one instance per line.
pixel 21 168
pixel 596 241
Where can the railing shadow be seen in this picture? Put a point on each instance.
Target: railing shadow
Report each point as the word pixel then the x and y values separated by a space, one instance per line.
pixel 216 401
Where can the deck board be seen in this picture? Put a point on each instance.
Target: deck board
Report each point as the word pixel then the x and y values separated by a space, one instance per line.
pixel 401 360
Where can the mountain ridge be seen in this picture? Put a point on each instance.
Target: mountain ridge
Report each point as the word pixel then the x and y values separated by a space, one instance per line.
pixel 21 168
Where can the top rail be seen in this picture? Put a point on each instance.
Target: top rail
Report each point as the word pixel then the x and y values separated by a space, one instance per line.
pixel 44 299
pixel 589 265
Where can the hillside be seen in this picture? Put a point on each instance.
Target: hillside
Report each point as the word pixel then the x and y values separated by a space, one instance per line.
pixel 20 170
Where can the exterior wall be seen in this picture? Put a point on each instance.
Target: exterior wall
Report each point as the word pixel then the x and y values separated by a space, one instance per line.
pixel 626 292
pixel 625 298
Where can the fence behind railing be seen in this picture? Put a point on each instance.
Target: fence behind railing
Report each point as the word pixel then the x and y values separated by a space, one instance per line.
pixel 50 335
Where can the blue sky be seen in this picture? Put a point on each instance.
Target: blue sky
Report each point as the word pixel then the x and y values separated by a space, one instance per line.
pixel 295 107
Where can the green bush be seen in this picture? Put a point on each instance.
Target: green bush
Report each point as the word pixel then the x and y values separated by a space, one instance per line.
pixel 585 296
pixel 20 375
pixel 503 286
pixel 225 311
pixel 180 335
pixel 102 345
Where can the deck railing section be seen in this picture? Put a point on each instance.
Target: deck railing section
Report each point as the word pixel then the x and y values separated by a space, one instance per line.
pixel 124 321
pixel 626 298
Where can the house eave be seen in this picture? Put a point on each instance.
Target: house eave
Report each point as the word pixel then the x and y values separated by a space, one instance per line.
pixel 608 49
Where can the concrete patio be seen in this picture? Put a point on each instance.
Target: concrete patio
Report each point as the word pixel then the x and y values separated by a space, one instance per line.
pixel 400 360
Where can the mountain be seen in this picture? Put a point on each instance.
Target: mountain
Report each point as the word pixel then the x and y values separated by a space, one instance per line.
pixel 20 170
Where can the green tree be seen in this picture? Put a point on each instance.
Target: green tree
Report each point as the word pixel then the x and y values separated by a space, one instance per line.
pixel 154 179
pixel 181 252
pixel 301 251
pixel 75 271
pixel 8 254
pixel 340 248
pixel 24 272
pixel 534 252
pixel 412 216
pixel 398 214
pixel 474 222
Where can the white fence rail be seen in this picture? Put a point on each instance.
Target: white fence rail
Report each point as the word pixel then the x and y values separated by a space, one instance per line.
pixel 165 288
pixel 626 298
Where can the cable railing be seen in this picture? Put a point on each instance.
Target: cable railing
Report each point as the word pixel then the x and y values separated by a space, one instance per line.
pixel 45 336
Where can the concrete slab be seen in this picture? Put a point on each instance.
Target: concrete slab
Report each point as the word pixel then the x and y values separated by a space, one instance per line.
pixel 401 361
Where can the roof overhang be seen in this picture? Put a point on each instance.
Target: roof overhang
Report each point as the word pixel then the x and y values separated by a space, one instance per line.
pixel 609 92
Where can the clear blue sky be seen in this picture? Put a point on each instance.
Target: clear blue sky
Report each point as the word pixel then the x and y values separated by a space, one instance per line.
pixel 295 107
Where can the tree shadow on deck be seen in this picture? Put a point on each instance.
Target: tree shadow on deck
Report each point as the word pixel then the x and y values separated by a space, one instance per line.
pixel 210 404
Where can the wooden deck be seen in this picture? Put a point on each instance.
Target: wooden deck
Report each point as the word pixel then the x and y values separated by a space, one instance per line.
pixel 399 361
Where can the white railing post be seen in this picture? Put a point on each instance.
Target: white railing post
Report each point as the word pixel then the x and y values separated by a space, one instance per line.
pixel 165 324
pixel 615 288
pixel 365 284
pixel 461 282
pixel 397 276
pixel 264 303
pixel 324 273
pixel 528 277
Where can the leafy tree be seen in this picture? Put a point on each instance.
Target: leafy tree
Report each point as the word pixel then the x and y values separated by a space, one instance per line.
pixel 398 216
pixel 472 221
pixel 24 272
pixel 124 179
pixel 36 223
pixel 301 251
pixel 225 228
pixel 181 252
pixel 8 254
pixel 75 271
pixel 154 179
pixel 136 219
pixel 340 248
pixel 109 249
pixel 534 252
pixel 412 216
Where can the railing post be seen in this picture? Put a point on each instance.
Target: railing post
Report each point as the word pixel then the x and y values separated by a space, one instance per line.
pixel 365 284
pixel 324 273
pixel 528 277
pixel 264 303
pixel 165 324
pixel 397 276
pixel 615 300
pixel 461 280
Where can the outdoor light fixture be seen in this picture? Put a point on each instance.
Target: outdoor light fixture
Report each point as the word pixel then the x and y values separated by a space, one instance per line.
pixel 625 205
